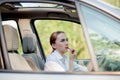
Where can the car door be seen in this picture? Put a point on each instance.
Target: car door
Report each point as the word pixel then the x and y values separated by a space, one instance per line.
pixel 103 30
pixel 8 74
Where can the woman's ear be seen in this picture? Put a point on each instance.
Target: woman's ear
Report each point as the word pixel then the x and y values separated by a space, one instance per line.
pixel 53 45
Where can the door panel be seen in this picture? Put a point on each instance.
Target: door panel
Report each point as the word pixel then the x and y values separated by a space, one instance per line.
pixel 57 76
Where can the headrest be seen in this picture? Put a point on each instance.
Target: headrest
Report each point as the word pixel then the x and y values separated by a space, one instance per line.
pixel 11 38
pixel 29 43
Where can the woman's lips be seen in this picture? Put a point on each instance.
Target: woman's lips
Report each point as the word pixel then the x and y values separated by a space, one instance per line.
pixel 72 50
pixel 67 47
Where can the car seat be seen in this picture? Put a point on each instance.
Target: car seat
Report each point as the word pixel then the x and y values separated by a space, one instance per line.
pixel 17 61
pixel 30 50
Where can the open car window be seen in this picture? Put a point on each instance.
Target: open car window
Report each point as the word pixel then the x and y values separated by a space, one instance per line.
pixel 74 32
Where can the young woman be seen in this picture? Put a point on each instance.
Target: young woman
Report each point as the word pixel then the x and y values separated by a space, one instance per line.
pixel 57 60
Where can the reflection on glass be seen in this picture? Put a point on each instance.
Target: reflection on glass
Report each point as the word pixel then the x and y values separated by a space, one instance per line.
pixel 104 33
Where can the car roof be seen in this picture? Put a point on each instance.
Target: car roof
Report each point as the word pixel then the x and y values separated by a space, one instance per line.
pixel 8 9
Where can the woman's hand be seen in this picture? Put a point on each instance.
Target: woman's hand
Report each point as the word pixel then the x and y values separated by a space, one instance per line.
pixel 72 56
pixel 90 66
pixel 72 53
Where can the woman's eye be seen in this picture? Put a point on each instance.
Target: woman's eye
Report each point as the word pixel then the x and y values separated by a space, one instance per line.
pixel 62 40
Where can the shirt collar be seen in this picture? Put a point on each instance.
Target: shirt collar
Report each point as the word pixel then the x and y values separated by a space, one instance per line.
pixel 57 54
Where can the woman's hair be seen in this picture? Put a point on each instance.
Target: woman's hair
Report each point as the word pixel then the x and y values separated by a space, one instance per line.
pixel 53 37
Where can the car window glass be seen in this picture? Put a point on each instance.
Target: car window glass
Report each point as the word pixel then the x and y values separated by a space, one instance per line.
pixel 104 34
pixel 73 30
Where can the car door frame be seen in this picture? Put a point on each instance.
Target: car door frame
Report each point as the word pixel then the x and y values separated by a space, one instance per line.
pixel 84 26
pixel 86 35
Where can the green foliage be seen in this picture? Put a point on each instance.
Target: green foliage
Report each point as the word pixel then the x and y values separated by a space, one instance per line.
pixel 106 51
pixel 20 51
pixel 109 63
pixel 102 43
pixel 73 31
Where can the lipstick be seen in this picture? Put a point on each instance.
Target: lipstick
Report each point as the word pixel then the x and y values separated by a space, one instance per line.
pixel 72 50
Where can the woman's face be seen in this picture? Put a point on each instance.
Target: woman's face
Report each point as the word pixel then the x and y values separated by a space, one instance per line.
pixel 61 43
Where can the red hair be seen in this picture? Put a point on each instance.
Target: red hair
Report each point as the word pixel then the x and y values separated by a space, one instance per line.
pixel 53 37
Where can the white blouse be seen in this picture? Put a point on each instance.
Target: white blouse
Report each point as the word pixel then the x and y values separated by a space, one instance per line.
pixel 55 62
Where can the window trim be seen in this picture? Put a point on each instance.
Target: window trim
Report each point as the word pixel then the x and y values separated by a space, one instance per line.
pixel 86 35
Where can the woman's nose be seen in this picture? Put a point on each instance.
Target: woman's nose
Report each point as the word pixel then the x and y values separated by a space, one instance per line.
pixel 66 42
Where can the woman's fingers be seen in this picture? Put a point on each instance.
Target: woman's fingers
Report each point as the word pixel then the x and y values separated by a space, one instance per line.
pixel 71 50
pixel 73 53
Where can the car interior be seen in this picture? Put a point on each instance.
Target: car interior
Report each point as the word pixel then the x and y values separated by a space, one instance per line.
pixel 92 28
pixel 22 13
pixel 22 43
